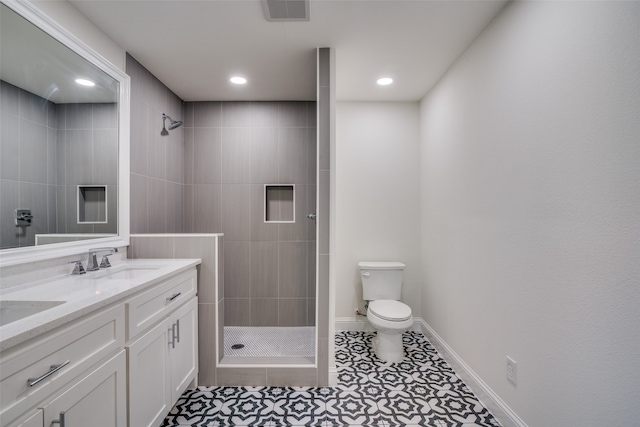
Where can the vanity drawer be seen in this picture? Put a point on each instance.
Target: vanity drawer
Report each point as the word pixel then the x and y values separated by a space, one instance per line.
pixel 24 382
pixel 144 310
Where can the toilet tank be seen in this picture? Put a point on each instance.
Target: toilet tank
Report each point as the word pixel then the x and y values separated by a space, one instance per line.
pixel 381 280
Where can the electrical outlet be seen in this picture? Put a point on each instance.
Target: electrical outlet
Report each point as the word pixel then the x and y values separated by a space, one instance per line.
pixel 512 371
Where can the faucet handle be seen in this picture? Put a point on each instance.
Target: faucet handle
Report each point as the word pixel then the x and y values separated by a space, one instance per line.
pixel 78 268
pixel 105 261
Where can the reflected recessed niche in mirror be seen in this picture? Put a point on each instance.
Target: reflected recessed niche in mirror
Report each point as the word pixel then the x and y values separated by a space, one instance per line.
pixel 55 136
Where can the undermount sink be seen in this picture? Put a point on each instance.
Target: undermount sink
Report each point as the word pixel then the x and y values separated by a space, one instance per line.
pixel 128 272
pixel 10 311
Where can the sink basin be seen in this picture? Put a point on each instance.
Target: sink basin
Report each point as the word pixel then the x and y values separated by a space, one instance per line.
pixel 128 272
pixel 10 311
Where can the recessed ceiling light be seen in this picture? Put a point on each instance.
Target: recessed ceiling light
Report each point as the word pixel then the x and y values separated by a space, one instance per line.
pixel 85 82
pixel 237 80
pixel 384 81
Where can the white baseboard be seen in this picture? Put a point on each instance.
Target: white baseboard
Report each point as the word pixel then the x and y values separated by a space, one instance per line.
pixel 485 394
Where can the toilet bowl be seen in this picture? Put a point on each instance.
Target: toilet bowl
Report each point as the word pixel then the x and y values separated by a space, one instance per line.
pixel 382 289
pixel 390 318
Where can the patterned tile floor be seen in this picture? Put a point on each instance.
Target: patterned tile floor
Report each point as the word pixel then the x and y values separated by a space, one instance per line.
pixel 422 390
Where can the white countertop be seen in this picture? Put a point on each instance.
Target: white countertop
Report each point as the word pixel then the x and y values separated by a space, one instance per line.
pixel 82 294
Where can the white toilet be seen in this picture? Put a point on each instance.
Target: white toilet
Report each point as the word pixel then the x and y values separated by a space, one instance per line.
pixel 382 288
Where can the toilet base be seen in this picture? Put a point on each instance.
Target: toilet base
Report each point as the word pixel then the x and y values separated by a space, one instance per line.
pixel 388 347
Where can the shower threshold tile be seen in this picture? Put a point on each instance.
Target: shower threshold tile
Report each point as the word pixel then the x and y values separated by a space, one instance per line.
pixel 266 360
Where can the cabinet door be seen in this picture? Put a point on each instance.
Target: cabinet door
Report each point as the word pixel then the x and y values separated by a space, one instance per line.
pixel 149 388
pixel 32 420
pixel 98 400
pixel 184 354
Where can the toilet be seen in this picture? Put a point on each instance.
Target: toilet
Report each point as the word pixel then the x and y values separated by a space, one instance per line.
pixel 382 289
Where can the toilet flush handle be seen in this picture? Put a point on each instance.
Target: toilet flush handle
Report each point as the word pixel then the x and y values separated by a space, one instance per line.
pixel 366 274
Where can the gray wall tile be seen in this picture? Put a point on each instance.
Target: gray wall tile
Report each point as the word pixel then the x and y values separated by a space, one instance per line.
pixel 79 116
pixel 207 152
pixel 203 248
pixel 33 152
pixel 291 377
pixel 264 156
pixel 292 268
pixel 236 211
pixel 264 114
pixel 256 377
pixel 264 312
pixel 33 108
pixel 79 155
pixel 105 116
pixel 236 152
pixel 207 114
pixel 292 311
pixel 10 195
pixel 264 269
pixel 207 336
pixel 151 247
pixel 138 139
pixel 207 208
pixel 237 311
pixel 293 114
pixel 139 204
pixel 157 202
pixel 238 270
pixel 293 150
pixel 174 207
pixel 10 147
pixel 105 150
pixel 236 114
pixel 9 98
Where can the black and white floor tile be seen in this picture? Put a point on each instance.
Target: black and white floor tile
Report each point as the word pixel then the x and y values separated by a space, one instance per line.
pixel 422 390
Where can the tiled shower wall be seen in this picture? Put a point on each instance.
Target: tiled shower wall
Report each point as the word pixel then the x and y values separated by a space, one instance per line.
pixel 47 150
pixel 232 149
pixel 157 162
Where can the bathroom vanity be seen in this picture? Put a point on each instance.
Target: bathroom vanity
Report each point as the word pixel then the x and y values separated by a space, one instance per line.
pixel 116 347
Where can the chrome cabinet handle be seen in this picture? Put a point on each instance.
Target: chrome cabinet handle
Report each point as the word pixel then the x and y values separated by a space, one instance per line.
pixel 172 340
pixel 54 369
pixel 174 296
pixel 60 421
pixel 178 329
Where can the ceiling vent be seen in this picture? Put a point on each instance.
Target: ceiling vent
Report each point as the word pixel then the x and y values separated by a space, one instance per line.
pixel 286 10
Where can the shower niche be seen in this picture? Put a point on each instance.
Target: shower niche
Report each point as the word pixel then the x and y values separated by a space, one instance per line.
pixel 280 203
pixel 92 204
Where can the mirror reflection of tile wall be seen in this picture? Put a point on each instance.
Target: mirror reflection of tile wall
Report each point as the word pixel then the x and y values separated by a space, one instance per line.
pixel 47 151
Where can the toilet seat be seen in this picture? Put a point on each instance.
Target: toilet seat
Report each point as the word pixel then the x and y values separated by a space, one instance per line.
pixel 391 310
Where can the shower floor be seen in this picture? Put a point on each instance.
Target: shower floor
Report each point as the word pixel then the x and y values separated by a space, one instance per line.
pixel 269 345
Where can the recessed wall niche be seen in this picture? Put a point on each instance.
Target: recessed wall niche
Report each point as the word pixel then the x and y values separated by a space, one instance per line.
pixel 279 203
pixel 92 204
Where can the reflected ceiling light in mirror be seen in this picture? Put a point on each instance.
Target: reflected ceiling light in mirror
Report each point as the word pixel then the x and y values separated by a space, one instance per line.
pixel 384 81
pixel 237 80
pixel 85 82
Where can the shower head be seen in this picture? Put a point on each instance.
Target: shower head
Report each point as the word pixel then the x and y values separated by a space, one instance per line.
pixel 173 124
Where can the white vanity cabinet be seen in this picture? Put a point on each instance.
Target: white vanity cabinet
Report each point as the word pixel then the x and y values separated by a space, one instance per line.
pixel 47 367
pixel 123 364
pixel 97 400
pixel 162 349
pixel 33 419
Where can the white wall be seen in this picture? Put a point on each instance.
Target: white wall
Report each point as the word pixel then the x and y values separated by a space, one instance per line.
pixel 530 173
pixel 66 15
pixel 377 196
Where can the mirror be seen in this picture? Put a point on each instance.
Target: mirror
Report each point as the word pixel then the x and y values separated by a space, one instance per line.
pixel 63 141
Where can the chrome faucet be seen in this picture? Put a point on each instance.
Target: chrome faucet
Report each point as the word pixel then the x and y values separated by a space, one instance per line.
pixel 93 265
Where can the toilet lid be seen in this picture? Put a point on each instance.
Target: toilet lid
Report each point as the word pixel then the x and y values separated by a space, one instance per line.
pixel 389 309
